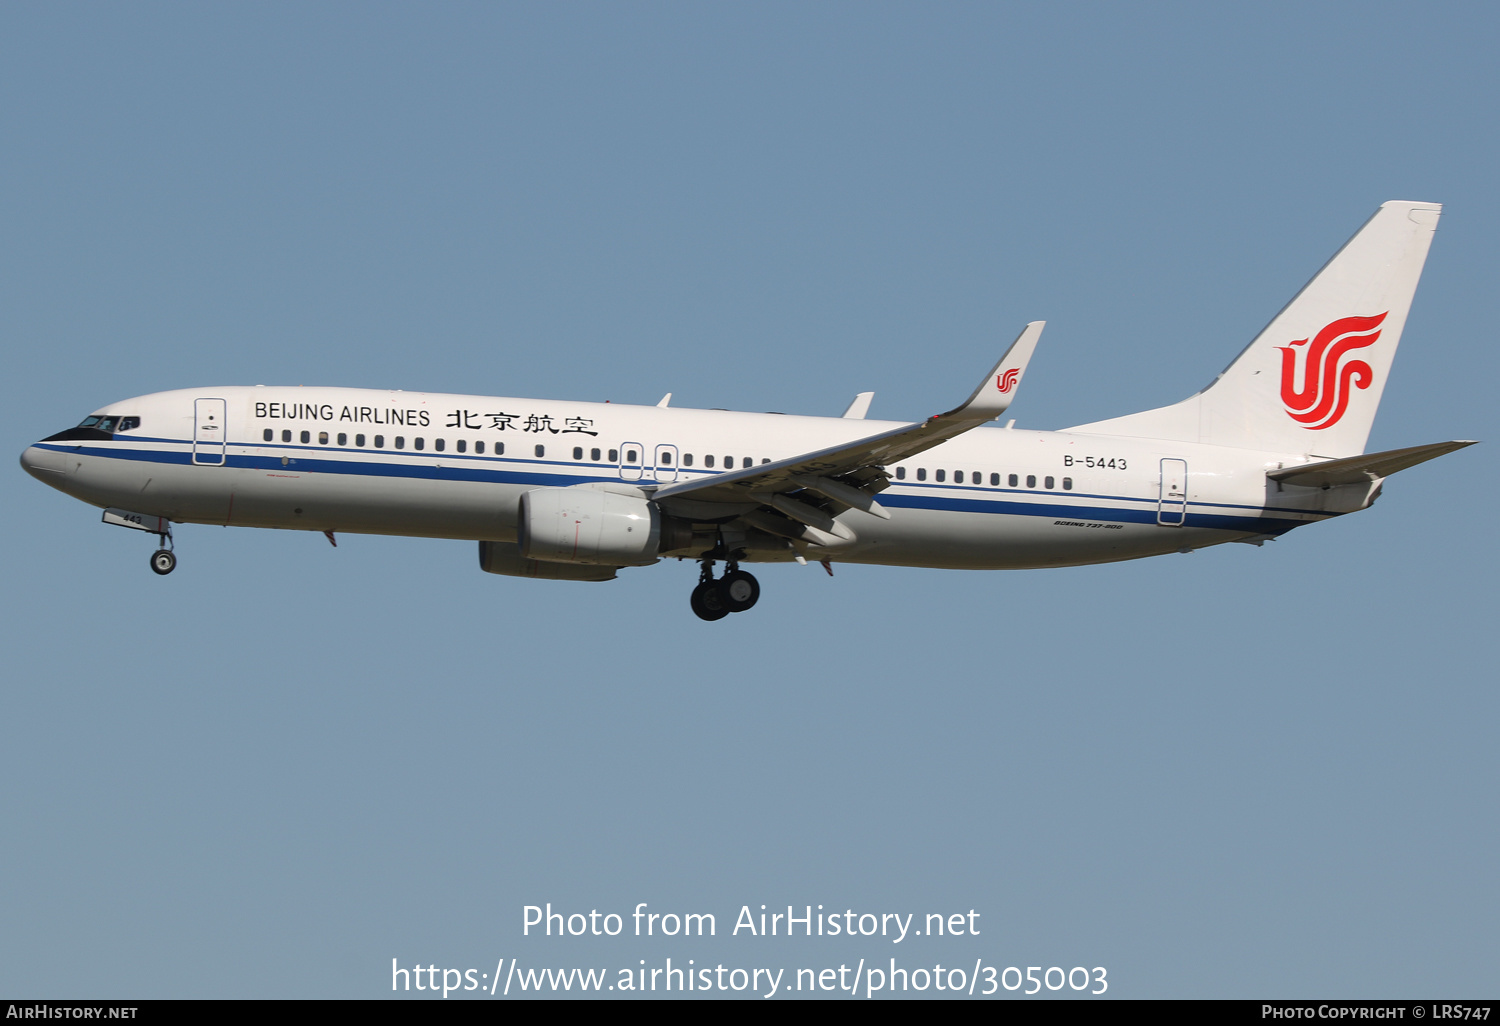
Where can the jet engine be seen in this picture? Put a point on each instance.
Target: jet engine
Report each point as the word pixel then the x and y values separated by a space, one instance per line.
pixel 593 526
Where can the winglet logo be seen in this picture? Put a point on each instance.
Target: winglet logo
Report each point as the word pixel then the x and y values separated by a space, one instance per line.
pixel 1007 381
pixel 1326 373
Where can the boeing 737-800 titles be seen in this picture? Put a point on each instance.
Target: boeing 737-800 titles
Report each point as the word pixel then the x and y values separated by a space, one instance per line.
pixel 576 491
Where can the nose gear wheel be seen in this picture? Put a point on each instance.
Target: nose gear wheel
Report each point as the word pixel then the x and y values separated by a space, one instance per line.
pixel 164 560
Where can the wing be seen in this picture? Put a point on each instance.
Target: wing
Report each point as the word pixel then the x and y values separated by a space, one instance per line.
pixel 848 475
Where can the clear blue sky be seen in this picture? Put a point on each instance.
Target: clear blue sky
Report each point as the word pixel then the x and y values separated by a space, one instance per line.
pixel 1241 772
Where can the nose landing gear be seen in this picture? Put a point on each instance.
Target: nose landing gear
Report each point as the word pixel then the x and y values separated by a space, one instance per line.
pixel 735 592
pixel 164 560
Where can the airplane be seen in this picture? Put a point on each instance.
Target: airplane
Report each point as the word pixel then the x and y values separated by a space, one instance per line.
pixel 576 491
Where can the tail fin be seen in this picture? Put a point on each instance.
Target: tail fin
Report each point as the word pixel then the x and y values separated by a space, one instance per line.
pixel 1311 381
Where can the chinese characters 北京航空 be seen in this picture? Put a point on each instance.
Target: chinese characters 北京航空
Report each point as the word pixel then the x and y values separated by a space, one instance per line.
pixel 536 423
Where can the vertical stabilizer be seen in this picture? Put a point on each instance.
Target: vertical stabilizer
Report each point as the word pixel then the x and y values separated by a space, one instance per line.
pixel 1312 380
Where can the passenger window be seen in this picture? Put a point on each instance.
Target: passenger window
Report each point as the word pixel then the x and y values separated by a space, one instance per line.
pixel 578 452
pixel 746 461
pixel 728 462
pixel 941 475
pixel 359 440
pixel 1067 484
pixel 439 444
pixel 1013 480
pixel 921 473
pixel 666 459
pixel 380 441
pixel 958 477
pixel 900 473
pixel 687 459
pixel 708 461
pixel 764 460
pixel 479 448
pixel 1048 483
pixel 286 436
pixel 594 455
pixel 401 441
pixel 322 437
pixel 419 443
pixel 541 451
pixel 994 480
pixel 343 438
pixel 614 455
pixel 630 456
pixel 305 437
pixel 462 445
pixel 266 435
pixel 1030 480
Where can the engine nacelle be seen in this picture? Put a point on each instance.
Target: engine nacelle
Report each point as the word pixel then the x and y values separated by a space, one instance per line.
pixel 505 558
pixel 590 526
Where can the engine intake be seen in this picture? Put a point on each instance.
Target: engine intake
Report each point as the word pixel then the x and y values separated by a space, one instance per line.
pixel 586 525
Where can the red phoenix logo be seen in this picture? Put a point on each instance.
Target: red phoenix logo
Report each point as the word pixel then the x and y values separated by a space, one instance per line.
pixel 1007 381
pixel 1326 374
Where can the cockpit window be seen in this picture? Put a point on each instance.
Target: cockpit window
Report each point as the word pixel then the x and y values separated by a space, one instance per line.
pixel 111 423
pixel 95 428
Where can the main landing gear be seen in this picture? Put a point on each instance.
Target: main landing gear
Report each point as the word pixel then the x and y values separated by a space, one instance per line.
pixel 735 592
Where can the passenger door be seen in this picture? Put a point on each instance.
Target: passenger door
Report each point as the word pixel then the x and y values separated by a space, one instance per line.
pixel 209 429
pixel 1171 503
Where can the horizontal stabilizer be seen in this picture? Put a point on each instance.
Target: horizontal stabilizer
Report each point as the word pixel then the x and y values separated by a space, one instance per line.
pixel 1359 469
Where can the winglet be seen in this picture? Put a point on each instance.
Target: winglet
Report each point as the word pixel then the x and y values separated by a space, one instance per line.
pixel 995 392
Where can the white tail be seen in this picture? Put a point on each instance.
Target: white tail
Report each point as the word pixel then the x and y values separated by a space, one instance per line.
pixel 1311 381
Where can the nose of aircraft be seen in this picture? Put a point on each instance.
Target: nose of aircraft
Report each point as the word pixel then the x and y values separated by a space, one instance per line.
pixel 46 465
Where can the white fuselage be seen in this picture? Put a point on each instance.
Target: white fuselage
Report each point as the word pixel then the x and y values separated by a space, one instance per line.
pixel 455 466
